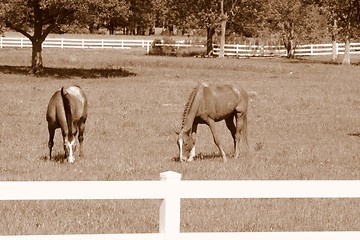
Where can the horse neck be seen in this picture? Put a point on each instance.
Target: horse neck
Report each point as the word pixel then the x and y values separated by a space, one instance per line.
pixel 191 109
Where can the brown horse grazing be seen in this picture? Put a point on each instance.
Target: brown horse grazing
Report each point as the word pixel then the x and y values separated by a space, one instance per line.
pixel 208 104
pixel 67 110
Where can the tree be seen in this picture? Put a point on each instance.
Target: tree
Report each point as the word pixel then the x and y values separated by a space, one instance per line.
pixel 111 14
pixel 211 15
pixel 35 19
pixel 197 14
pixel 346 13
pixel 142 16
pixel 295 21
pixel 160 10
pixel 2 13
pixel 343 21
pixel 248 18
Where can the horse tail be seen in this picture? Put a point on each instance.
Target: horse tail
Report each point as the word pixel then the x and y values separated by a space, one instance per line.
pixel 67 108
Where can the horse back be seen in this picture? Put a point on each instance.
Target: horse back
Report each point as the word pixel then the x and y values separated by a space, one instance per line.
pixel 220 101
pixel 78 102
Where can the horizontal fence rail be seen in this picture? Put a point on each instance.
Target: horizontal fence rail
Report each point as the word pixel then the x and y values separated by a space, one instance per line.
pixel 77 43
pixel 236 50
pixel 171 190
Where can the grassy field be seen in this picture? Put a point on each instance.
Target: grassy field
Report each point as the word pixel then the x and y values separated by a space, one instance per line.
pixel 303 124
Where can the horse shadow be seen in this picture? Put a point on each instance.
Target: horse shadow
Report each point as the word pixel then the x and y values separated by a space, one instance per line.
pixel 202 157
pixel 62 73
pixel 56 158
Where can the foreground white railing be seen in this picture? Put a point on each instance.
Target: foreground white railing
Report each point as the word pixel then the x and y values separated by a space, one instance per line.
pixel 171 190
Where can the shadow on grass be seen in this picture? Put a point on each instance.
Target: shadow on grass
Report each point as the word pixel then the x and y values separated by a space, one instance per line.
pixel 68 72
pixel 311 61
pixel 56 158
pixel 201 157
pixel 354 62
pixel 354 134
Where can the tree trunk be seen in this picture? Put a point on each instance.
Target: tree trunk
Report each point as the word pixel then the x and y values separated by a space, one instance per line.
pixel 36 57
pixel 111 28
pixel 37 39
pixel 289 41
pixel 224 18
pixel 222 39
pixel 346 60
pixel 334 51
pixel 209 40
pixel 291 49
pixel 334 44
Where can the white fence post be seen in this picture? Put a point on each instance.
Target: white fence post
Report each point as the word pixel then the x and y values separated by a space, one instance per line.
pixel 170 207
pixel 337 49
pixel 148 48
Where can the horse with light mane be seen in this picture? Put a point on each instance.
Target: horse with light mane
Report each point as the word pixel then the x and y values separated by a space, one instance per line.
pixel 210 103
pixel 67 109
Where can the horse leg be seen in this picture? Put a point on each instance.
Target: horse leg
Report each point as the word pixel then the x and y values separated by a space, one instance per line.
pixel 51 139
pixel 231 126
pixel 65 138
pixel 81 138
pixel 211 124
pixel 193 137
pixel 240 126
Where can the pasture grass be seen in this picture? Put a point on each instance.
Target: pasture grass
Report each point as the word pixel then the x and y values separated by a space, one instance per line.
pixel 303 124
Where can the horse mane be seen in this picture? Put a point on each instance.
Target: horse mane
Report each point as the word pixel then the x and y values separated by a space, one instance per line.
pixel 189 104
pixel 67 108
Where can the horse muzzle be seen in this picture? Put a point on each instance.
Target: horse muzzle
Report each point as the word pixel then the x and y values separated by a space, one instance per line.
pixel 71 159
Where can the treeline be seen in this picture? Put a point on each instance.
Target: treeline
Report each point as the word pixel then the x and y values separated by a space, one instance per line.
pixel 289 21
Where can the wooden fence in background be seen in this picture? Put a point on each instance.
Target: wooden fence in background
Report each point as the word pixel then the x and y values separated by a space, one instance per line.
pixel 171 190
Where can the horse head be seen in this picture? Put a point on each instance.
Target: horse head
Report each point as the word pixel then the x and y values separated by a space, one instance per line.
pixel 70 149
pixel 186 146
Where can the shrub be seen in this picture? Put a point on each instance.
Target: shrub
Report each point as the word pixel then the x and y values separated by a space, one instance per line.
pixel 166 47
pixel 163 47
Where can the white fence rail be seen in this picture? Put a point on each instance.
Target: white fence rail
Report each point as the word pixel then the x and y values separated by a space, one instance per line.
pixel 77 43
pixel 171 190
pixel 236 50
pixel 300 50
